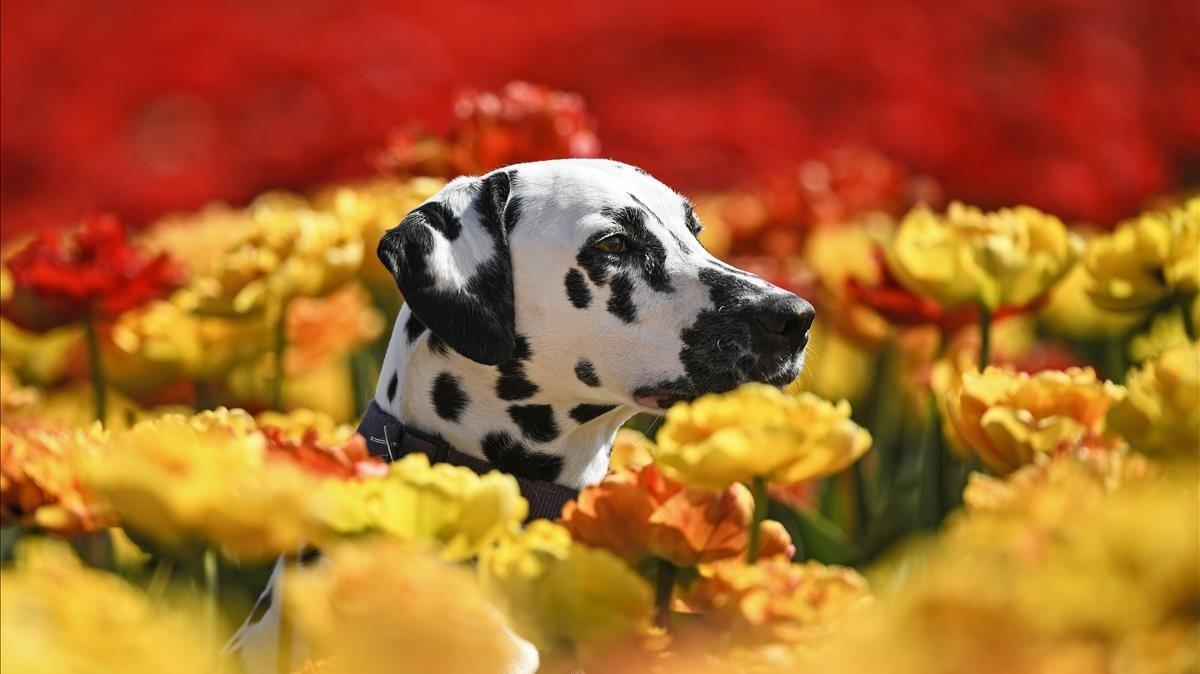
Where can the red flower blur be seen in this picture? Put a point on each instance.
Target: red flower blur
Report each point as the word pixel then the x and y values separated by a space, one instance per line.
pixel 344 461
pixel 94 273
pixel 524 122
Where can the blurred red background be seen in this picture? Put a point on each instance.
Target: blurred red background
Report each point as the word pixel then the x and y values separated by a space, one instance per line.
pixel 1081 107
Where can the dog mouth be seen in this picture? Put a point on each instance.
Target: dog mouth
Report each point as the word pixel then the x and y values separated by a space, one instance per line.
pixel 662 395
pixel 660 399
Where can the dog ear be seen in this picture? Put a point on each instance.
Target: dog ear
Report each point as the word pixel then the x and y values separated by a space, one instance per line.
pixel 451 261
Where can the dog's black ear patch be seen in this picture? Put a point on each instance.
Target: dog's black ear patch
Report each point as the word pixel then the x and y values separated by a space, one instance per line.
pixel 476 318
pixel 586 412
pixel 535 421
pixel 449 398
pixel 413 328
pixel 513 457
pixel 586 373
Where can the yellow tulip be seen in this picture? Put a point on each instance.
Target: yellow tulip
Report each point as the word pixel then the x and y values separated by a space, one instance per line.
pixel 1161 414
pixel 205 481
pixel 757 431
pixel 563 594
pixel 381 607
pixel 1009 257
pixel 448 506
pixel 1146 260
pixel 1009 418
pixel 287 249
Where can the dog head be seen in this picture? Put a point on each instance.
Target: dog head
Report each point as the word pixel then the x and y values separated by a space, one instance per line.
pixel 589 275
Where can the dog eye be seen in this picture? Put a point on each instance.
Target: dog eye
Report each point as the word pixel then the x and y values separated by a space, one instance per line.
pixel 612 244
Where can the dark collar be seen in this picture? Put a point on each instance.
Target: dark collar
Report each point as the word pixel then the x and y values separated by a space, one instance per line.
pixel 389 440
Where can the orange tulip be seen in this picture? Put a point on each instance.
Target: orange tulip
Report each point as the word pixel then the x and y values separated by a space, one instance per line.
pixel 641 513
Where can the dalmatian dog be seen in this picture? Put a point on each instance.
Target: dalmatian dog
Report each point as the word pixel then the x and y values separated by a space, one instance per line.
pixel 545 304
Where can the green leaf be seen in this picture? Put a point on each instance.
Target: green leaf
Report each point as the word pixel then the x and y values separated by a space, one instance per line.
pixel 815 537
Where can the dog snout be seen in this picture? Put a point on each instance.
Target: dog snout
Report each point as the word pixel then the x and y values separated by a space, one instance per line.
pixel 783 323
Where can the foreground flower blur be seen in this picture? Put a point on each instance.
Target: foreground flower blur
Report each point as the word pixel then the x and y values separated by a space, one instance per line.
pixel 60 616
pixel 381 607
pixel 757 431
pixel 566 598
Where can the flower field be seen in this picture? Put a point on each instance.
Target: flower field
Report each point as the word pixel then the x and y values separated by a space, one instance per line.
pixel 991 462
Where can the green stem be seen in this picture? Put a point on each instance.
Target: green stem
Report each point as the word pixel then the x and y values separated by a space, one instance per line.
pixel 280 349
pixel 212 591
pixel 163 568
pixel 663 591
pixel 283 653
pixel 758 488
pixel 96 368
pixel 985 337
pixel 1185 309
pixel 206 398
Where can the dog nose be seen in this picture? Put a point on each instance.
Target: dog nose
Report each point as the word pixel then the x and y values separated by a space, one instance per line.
pixel 784 322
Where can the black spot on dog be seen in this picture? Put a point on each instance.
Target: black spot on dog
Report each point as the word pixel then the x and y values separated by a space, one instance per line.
pixel 513 457
pixel 438 345
pixel 391 388
pixel 413 328
pixel 577 289
pixel 535 421
pixel 586 412
pixel 620 302
pixel 513 383
pixel 586 372
pixel 261 607
pixel 449 398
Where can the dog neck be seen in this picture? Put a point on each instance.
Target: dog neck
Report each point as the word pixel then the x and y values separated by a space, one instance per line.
pixel 541 430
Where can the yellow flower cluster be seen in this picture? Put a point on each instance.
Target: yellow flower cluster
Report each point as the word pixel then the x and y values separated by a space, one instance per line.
pixel 1008 257
pixel 758 431
pixel 191 482
pixel 60 617
pixel 1147 259
pixel 1008 419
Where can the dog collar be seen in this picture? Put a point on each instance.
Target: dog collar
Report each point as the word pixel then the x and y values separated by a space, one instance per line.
pixel 389 440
